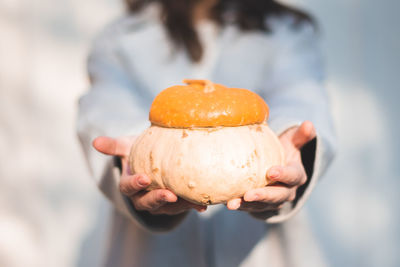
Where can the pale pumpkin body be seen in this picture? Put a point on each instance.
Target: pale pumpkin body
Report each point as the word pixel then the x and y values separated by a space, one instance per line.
pixel 207 165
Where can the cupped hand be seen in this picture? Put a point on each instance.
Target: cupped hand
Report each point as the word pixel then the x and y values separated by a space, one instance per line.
pixel 157 201
pixel 284 180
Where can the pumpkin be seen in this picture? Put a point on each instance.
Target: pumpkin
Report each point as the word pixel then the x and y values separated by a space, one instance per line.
pixel 207 143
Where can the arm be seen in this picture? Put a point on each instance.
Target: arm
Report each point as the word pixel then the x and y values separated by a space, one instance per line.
pixel 295 94
pixel 113 107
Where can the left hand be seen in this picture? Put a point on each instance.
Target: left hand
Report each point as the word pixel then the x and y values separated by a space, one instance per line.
pixel 134 186
pixel 286 179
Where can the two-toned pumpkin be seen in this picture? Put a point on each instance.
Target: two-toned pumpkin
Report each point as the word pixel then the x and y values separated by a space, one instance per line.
pixel 207 143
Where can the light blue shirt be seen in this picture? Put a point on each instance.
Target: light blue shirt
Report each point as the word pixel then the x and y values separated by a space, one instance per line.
pixel 132 60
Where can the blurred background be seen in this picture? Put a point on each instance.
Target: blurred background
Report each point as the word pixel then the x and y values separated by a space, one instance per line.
pixel 51 213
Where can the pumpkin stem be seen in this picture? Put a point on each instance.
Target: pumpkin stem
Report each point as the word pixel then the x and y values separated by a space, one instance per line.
pixel 208 85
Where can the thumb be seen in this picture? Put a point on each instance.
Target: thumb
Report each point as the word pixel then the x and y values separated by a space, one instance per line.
pixel 111 146
pixel 304 134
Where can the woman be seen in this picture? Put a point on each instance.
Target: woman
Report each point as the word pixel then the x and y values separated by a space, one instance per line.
pixel 260 45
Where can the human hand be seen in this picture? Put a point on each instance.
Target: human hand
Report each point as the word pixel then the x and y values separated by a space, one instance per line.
pixel 285 179
pixel 157 201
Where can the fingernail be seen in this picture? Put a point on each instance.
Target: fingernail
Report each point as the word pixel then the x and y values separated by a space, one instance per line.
pixel 142 181
pixel 273 174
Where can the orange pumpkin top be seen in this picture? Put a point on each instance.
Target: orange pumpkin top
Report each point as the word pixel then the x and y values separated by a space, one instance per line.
pixel 202 103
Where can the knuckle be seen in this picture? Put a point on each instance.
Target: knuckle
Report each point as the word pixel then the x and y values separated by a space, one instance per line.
pixel 270 198
pixel 303 180
pixel 123 187
pixel 301 175
pixel 282 198
pixel 277 197
pixel 152 205
pixel 128 185
pixel 138 205
pixel 161 196
pixel 156 201
pixel 139 202
pixel 296 176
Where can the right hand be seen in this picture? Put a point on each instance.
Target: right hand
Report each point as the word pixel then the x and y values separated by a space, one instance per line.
pixel 157 201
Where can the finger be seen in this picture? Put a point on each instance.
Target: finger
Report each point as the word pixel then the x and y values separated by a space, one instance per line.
pixel 131 184
pixel 234 204
pixel 259 206
pixel 304 134
pixel 186 205
pixel 179 207
pixel 292 195
pixel 291 175
pixel 112 146
pixel 269 194
pixel 153 200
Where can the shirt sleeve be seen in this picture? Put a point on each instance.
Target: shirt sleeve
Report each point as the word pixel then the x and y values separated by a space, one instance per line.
pixel 295 92
pixel 114 107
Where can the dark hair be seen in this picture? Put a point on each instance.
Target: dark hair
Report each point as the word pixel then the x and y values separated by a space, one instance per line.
pixel 247 14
